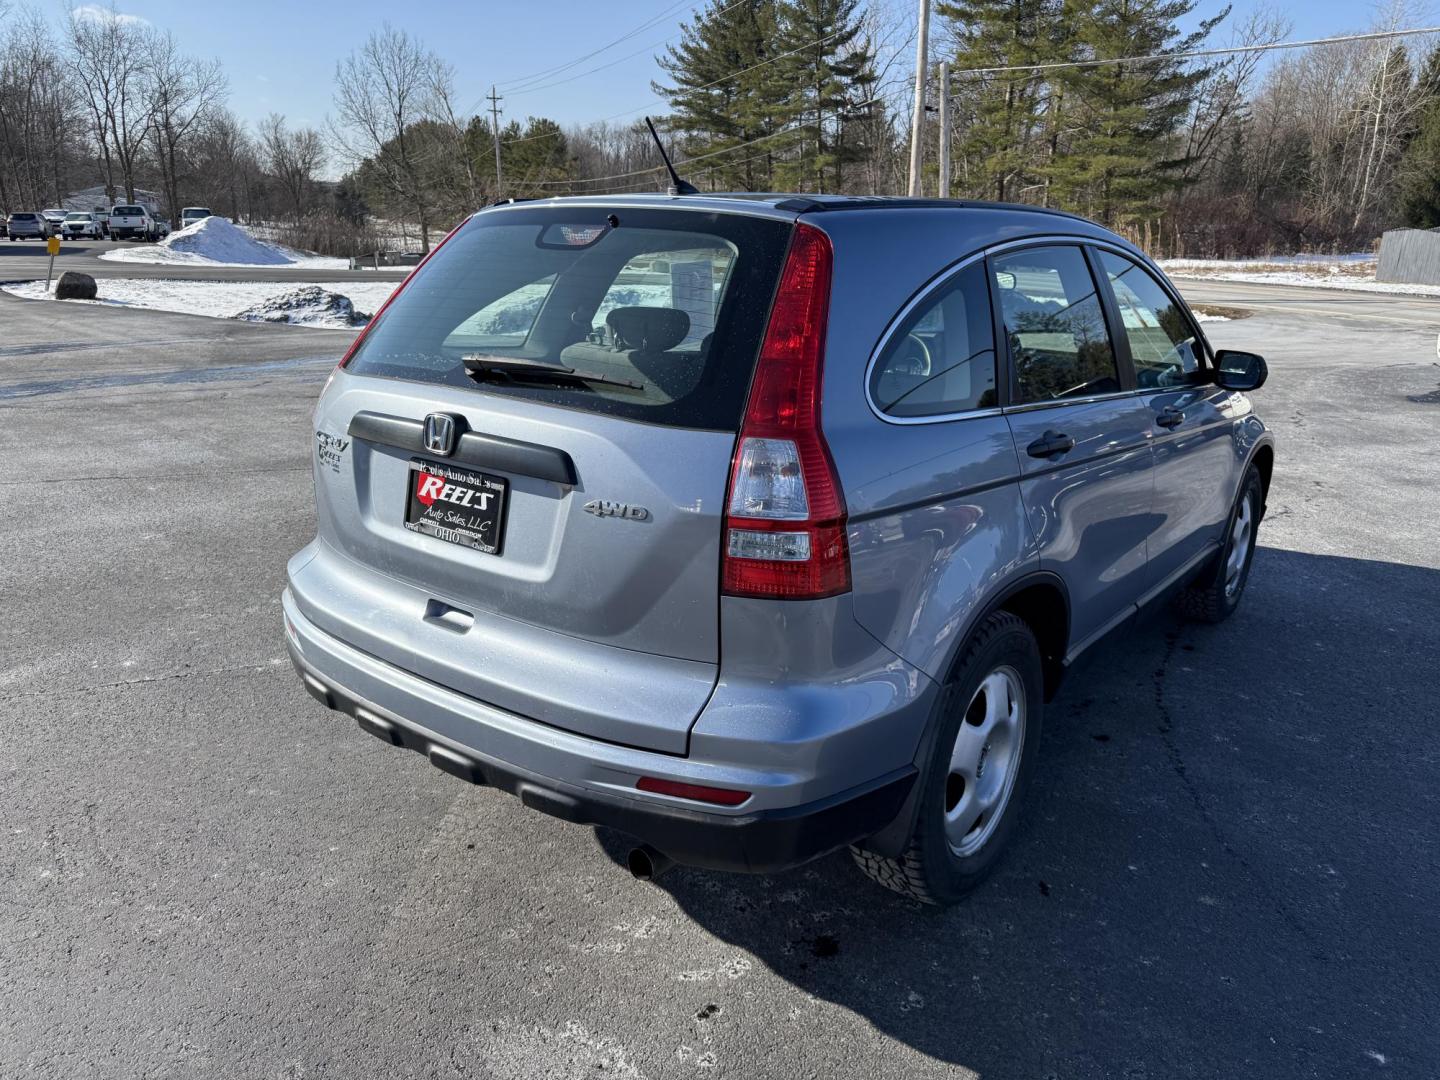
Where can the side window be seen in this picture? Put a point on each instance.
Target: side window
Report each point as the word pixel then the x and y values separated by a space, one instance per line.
pixel 1162 344
pixel 942 358
pixel 1055 325
pixel 506 321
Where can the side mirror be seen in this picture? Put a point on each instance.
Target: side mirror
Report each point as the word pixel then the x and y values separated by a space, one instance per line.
pixel 1235 370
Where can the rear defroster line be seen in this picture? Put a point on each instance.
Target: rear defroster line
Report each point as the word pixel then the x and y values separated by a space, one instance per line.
pixel 228 373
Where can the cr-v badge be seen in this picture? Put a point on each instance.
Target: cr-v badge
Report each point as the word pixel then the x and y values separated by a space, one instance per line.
pixel 606 508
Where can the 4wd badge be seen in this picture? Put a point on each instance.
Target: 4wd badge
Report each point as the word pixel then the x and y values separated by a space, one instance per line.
pixel 606 508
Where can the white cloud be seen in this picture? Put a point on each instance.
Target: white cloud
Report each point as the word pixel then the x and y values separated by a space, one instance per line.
pixel 96 13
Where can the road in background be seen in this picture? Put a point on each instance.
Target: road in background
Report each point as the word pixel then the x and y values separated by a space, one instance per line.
pixel 27 261
pixel 1227 869
pixel 1386 309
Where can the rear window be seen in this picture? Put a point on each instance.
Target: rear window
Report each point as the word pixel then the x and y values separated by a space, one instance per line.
pixel 22 217
pixel 132 211
pixel 669 306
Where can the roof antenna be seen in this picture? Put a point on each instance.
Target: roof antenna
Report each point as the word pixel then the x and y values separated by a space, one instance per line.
pixel 677 186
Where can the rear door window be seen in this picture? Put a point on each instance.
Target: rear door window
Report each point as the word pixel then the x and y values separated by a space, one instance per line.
pixel 1055 325
pixel 665 307
pixel 1163 345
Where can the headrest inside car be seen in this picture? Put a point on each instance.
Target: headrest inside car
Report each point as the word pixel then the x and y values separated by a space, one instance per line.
pixel 647 329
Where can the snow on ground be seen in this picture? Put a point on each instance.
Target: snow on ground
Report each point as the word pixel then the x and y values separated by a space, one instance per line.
pixel 226 299
pixel 215 241
pixel 1355 271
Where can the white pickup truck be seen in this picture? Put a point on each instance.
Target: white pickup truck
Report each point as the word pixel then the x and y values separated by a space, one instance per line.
pixel 131 222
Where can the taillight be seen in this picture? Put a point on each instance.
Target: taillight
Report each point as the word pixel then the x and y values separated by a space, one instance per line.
pixel 375 319
pixel 785 515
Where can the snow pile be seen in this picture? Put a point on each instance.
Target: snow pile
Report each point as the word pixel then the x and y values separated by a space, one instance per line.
pixel 216 299
pixel 309 305
pixel 215 241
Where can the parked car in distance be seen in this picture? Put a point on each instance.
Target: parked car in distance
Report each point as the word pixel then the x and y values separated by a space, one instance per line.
pixel 4 225
pixel 162 228
pixel 755 527
pixel 80 225
pixel 131 222
pixel 55 219
pixel 191 214
pixel 28 226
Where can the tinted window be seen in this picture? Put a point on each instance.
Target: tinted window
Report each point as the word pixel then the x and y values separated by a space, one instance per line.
pixel 129 211
pixel 669 306
pixel 1055 325
pixel 1163 345
pixel 942 359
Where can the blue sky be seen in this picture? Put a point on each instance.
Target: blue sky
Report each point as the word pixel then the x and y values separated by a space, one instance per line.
pixel 281 54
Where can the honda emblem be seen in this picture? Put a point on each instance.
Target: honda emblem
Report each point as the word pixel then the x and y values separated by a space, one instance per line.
pixel 440 433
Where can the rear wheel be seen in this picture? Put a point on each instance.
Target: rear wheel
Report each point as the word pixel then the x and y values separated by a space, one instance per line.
pixel 972 788
pixel 1215 594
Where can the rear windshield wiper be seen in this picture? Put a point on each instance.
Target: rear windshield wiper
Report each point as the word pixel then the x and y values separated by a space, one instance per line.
pixel 478 364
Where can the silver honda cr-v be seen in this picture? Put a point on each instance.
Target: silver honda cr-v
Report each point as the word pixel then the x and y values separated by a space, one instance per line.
pixel 753 527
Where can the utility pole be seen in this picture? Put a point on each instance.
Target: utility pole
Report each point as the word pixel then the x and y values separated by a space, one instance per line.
pixel 917 119
pixel 944 191
pixel 495 129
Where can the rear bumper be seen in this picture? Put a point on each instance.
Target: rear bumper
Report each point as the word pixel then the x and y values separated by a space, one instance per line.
pixel 476 742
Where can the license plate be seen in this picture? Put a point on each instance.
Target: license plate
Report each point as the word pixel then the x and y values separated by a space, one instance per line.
pixel 458 505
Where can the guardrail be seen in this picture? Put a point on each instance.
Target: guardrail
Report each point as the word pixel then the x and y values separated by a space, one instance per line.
pixel 376 259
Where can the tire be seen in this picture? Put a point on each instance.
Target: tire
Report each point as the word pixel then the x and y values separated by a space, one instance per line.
pixel 1215 594
pixel 945 857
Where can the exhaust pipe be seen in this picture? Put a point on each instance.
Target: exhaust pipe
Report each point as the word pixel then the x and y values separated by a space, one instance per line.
pixel 647 864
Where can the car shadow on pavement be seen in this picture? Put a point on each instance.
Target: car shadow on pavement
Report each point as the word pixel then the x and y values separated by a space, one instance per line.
pixel 1227 866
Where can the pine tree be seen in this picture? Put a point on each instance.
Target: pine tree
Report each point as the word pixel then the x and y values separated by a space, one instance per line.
pixel 715 107
pixel 1003 118
pixel 1119 162
pixel 829 70
pixel 1419 170
pixel 536 153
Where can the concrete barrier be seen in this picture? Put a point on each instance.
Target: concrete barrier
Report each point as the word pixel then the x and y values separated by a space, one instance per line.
pixel 376 259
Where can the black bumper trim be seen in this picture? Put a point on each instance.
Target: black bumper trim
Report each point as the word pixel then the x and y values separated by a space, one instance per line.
pixel 763 842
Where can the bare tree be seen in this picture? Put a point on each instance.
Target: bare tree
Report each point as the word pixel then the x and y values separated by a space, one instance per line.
pixel 225 163
pixel 183 92
pixel 382 90
pixel 108 53
pixel 293 158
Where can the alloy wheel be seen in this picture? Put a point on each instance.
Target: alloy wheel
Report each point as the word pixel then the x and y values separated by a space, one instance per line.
pixel 984 761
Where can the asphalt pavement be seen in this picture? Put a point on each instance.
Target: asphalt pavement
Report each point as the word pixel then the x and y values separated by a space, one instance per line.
pixel 1229 866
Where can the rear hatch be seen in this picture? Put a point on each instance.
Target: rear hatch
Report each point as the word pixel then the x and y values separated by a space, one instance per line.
pixel 548 541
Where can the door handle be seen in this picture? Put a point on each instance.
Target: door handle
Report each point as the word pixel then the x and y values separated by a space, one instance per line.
pixel 1051 444
pixel 1170 417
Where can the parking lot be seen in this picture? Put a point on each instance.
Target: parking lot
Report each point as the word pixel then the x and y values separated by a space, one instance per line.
pixel 1229 868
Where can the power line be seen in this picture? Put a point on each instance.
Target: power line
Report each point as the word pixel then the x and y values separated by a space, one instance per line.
pixel 704 86
pixel 687 161
pixel 512 85
pixel 697 157
pixel 621 60
pixel 1194 54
